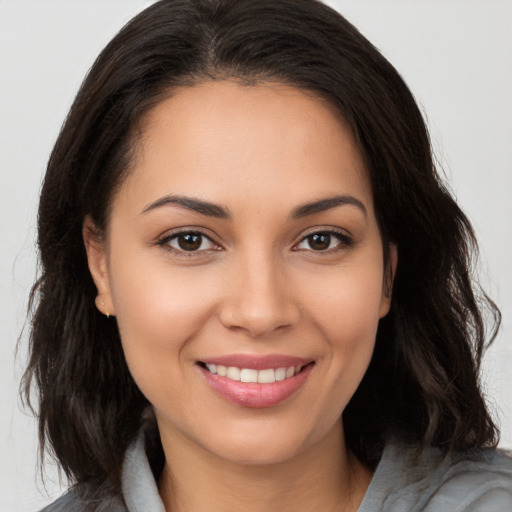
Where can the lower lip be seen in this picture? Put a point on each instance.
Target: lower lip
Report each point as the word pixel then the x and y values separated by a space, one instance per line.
pixel 255 395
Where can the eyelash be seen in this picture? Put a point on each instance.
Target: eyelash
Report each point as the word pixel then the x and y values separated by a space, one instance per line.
pixel 344 242
pixel 165 243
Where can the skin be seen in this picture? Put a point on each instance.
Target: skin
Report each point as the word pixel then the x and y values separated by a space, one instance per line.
pixel 255 286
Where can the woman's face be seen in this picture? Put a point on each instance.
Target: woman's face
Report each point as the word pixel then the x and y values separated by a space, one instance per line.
pixel 244 246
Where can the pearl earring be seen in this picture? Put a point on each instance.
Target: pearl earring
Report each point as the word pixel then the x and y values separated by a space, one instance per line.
pixel 107 314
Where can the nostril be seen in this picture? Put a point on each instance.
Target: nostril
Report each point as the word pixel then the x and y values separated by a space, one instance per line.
pixel 257 321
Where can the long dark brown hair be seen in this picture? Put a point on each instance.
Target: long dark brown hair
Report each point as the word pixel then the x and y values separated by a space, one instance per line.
pixel 422 383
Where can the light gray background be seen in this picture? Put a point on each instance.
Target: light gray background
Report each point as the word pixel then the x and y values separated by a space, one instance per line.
pixel 455 55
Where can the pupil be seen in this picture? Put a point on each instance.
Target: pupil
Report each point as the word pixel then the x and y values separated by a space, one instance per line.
pixel 189 242
pixel 320 241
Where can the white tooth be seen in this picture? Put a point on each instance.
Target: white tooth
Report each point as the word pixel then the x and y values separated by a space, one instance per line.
pixel 212 367
pixel 221 370
pixel 266 376
pixel 281 373
pixel 249 375
pixel 290 372
pixel 297 369
pixel 233 373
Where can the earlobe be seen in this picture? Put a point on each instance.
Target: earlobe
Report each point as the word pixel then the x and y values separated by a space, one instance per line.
pixel 96 251
pixel 389 277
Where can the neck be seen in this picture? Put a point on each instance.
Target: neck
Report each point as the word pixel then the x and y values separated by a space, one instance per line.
pixel 325 476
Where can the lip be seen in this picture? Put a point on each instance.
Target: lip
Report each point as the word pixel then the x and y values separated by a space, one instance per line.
pixel 251 394
pixel 257 362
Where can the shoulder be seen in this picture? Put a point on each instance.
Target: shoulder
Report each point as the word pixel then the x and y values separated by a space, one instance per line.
pixel 73 501
pixel 139 488
pixel 476 482
pixel 430 481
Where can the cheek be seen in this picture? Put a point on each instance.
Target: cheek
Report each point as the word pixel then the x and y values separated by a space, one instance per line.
pixel 158 311
pixel 347 313
pixel 154 298
pixel 150 310
pixel 349 305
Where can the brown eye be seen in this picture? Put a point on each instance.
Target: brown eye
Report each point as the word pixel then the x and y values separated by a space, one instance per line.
pixel 189 242
pixel 319 241
pixel 324 241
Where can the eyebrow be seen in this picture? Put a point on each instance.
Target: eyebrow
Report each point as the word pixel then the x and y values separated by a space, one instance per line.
pixel 214 210
pixel 190 203
pixel 325 204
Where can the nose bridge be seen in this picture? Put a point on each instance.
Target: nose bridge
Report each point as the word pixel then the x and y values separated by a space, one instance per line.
pixel 259 300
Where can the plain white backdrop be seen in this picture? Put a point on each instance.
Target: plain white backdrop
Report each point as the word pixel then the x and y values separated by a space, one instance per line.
pixel 454 54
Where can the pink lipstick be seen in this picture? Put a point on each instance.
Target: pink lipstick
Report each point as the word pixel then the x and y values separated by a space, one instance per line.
pixel 255 381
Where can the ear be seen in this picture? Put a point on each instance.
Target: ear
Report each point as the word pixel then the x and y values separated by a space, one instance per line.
pixel 95 247
pixel 389 277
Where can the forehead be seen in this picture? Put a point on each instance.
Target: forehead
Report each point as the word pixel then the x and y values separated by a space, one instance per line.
pixel 223 141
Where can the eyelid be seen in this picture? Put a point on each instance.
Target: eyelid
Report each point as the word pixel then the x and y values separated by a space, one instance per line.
pixel 163 240
pixel 346 240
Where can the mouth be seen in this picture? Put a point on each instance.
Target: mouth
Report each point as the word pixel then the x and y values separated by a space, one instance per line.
pixel 256 382
pixel 248 375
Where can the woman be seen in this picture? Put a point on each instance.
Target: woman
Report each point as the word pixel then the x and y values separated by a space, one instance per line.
pixel 255 290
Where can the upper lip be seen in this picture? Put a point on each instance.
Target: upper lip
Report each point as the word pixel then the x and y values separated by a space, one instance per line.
pixel 255 362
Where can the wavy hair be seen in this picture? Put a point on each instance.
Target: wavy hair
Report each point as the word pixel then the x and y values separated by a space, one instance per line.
pixel 422 383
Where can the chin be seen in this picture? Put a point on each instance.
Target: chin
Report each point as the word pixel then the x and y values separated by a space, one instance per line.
pixel 262 442
pixel 269 452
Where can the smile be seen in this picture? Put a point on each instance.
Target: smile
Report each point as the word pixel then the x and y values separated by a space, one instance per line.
pixel 265 376
pixel 256 382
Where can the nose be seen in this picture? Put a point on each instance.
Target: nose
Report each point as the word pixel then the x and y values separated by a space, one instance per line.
pixel 259 299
